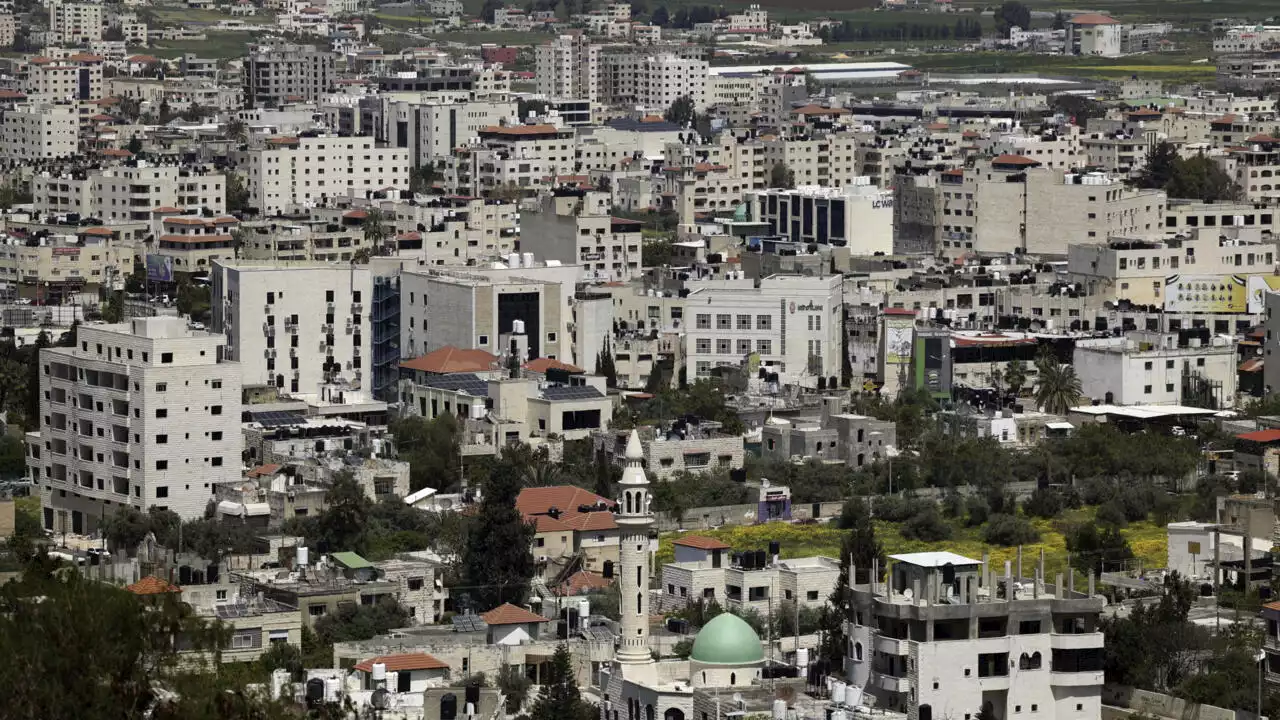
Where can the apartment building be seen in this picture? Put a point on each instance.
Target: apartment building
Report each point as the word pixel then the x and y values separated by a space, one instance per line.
pixel 295 326
pixel 791 323
pixel 858 216
pixel 62 265
pixel 40 131
pixel 1058 148
pixel 1255 167
pixel 275 75
pixel 193 244
pixel 1247 38
pixel 680 448
pixel 829 160
pixel 433 130
pixel 1249 72
pixel 74 23
pixel 706 570
pixel 454 230
pixel 945 635
pixel 144 413
pixel 131 192
pixel 1010 204
pixel 8 29
pixel 299 172
pixel 1170 273
pixel 480 307
pixel 522 156
pixel 574 227
pixel 75 77
pixel 568 67
pixel 317 240
pixel 1188 216
pixel 1153 368
pixel 652 81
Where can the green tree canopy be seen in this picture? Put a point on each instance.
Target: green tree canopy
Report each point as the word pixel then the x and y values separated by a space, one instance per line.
pixel 559 697
pixel 497 563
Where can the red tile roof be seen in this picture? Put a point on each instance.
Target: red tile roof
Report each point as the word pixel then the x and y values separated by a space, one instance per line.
pixel 450 359
pixel 99 231
pixel 812 109
pixel 185 220
pixel 195 238
pixel 355 215
pixel 701 542
pixel 1251 365
pixel 542 365
pixel 590 522
pixel 167 209
pixel 582 582
pixel 508 614
pixel 263 470
pixel 548 524
pixel 520 129
pixel 1263 138
pixel 152 585
pixel 402 662
pixel 538 500
pixel 1014 160
pixel 1261 436
pixel 86 57
pixel 117 152
pixel 898 311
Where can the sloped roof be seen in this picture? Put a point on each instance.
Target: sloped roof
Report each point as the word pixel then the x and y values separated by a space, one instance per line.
pixel 538 500
pixel 1261 436
pixel 402 662
pixel 1093 19
pixel 450 359
pixel 520 129
pixel 1007 159
pixel 542 365
pixel 508 614
pixel 702 542
pixel 152 585
pixel 264 470
pixel 582 582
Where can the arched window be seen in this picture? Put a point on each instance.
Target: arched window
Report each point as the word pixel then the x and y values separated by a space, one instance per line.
pixel 861 459
pixel 926 712
pixel 673 714
pixel 648 712
pixel 639 603
pixel 857 651
pixel 627 497
pixel 1035 660
pixel 1024 662
pixel 733 678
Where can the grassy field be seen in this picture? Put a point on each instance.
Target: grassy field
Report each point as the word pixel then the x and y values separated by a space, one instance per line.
pixel 1147 540
pixel 1172 66
pixel 1175 11
pixel 219 45
pixel 183 15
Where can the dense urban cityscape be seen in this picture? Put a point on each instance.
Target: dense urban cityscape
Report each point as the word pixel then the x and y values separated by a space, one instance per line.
pixel 569 360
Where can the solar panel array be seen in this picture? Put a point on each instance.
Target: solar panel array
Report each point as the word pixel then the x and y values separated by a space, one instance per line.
pixel 571 392
pixel 469 623
pixel 460 382
pixel 277 418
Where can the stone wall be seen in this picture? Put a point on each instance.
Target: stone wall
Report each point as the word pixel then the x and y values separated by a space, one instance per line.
pixel 1119 702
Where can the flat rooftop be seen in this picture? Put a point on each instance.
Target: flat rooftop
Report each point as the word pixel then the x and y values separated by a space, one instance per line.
pixel 934 559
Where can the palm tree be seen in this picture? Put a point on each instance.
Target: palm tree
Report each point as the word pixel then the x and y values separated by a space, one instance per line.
pixel 1059 388
pixel 1015 376
pixel 375 229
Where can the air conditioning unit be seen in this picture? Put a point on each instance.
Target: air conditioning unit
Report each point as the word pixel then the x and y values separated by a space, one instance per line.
pixel 266 353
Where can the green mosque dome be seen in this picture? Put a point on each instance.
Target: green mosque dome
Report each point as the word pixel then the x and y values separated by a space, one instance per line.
pixel 727 640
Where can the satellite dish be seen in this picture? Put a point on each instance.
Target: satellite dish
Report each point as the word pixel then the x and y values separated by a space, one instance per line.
pixel 381 699
pixel 908 594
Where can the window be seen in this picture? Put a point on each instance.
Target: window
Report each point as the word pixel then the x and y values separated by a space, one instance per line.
pixel 162 387
pixel 811 595
pixel 162 412
pixel 724 321
pixel 702 346
pixel 703 321
pixel 315 610
pixel 328 296
pixel 217 384
pixel 1146 389
pixel 764 322
pixel 162 492
pixel 764 347
pixel 166 357
pixel 216 462
pixel 215 410
pixel 216 435
pixel 162 439
pixel 415 583
pixel 162 464
pixel 744 322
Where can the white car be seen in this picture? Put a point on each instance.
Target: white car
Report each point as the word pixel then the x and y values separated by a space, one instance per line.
pixel 196 326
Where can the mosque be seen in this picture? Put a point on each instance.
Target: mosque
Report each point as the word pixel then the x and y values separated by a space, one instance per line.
pixel 727 657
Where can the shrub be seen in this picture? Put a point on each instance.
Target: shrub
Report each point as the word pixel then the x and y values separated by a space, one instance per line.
pixel 977 510
pixel 1111 513
pixel 894 508
pixel 1044 503
pixel 1009 530
pixel 927 525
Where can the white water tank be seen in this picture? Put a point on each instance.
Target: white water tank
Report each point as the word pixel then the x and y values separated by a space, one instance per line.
pixel 302 557
pixel 852 695
pixel 526 260
pixel 802 658
pixel 379 672
pixel 779 710
pixel 837 691
pixel 838 715
pixel 584 609
pixel 517 327
pixel 513 260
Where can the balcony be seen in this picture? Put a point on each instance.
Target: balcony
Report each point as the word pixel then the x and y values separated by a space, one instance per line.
pixel 1075 641
pixel 890 683
pixel 890 646
pixel 1087 678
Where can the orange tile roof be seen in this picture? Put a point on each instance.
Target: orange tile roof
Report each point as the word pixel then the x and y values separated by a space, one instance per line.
pixel 1261 436
pixel 1013 160
pixel 538 500
pixel 548 524
pixel 582 582
pixel 450 359
pixel 152 585
pixel 701 542
pixel 403 661
pixel 223 220
pixel 86 57
pixel 1262 138
pixel 144 59
pixel 195 238
pixel 542 365
pixel 167 209
pixel 508 614
pixel 117 152
pixel 264 470
pixel 185 220
pixel 99 231
pixel 283 140
pixel 590 522
pixel 355 215
pixel 11 94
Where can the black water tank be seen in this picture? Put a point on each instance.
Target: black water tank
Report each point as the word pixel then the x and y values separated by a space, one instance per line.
pixel 315 692
pixel 448 707
pixel 775 547
pixel 473 695
pixel 608 569
pixel 761 560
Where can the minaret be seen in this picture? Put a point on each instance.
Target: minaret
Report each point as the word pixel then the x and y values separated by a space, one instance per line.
pixel 634 521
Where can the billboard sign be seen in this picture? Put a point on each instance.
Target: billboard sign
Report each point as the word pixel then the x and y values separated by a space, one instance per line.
pixel 1259 286
pixel 899 335
pixel 159 268
pixel 1205 294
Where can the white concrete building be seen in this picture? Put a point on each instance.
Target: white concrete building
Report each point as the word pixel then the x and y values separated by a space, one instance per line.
pixel 74 23
pixel 569 67
pixel 1152 368
pixel 296 326
pixel 704 570
pixel 294 173
pixel 1094 34
pixel 477 308
pixel 947 636
pixel 144 413
pixel 792 323
pixel 124 193
pixel 653 82
pixel 858 216
pixel 40 131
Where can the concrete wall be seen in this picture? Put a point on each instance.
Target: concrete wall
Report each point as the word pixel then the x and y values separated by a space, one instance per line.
pixel 1119 701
